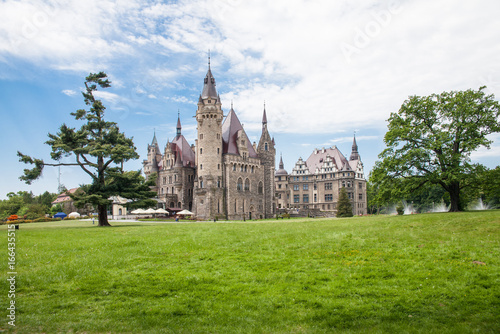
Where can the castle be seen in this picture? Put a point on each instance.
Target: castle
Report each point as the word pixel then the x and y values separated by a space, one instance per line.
pixel 223 175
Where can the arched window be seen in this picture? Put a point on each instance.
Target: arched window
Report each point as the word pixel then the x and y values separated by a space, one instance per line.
pixel 247 185
pixel 266 147
pixel 260 188
pixel 239 185
pixel 201 150
pixel 179 205
pixel 120 211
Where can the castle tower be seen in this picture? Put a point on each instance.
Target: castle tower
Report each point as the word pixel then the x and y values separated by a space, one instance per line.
pixel 267 155
pixel 154 158
pixel 208 192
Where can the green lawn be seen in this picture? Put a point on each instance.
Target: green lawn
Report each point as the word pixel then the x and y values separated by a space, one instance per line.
pixel 379 274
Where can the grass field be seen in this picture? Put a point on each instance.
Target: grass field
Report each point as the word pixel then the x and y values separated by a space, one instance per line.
pixel 428 273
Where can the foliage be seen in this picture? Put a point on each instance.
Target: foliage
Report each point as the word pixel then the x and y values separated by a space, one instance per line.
pixel 430 140
pixel 344 206
pixel 99 148
pixel 400 209
pixel 428 273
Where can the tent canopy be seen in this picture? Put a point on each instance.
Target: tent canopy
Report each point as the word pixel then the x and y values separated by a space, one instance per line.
pixel 74 215
pixel 61 215
pixel 185 213
pixel 138 211
pixel 161 211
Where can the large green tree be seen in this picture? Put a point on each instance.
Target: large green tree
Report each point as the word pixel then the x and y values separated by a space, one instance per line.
pixel 430 140
pixel 100 149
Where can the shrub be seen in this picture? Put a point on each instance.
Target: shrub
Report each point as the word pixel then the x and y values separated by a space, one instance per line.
pixel 400 210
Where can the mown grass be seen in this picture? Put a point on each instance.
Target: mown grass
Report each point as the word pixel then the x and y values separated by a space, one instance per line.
pixel 380 274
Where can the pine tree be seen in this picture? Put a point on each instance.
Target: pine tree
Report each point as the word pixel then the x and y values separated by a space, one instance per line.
pixel 100 149
pixel 344 207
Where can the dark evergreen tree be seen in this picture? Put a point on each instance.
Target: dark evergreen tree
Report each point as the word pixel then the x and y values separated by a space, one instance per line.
pixel 344 207
pixel 100 149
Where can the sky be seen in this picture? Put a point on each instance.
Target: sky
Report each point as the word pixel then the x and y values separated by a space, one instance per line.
pixel 324 70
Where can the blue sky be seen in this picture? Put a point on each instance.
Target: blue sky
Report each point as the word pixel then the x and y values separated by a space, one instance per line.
pixel 324 69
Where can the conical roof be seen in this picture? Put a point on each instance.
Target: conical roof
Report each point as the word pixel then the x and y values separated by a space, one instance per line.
pixel 281 171
pixel 209 90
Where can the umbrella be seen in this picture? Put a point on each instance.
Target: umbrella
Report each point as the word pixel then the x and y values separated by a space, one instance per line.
pixel 185 213
pixel 138 211
pixel 161 211
pixel 74 215
pixel 150 211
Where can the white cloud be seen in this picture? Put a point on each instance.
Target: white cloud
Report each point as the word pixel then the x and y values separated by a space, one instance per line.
pixel 69 92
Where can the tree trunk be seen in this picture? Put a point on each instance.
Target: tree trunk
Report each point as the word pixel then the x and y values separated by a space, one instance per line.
pixel 454 191
pixel 103 215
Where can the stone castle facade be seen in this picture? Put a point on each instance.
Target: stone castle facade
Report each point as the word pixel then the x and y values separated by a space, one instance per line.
pixel 223 175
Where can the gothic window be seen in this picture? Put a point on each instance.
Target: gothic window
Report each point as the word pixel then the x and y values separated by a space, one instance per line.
pixel 241 168
pixel 201 166
pixel 260 188
pixel 218 150
pixel 234 168
pixel 201 151
pixel 239 185
pixel 252 169
pixel 266 147
pixel 245 168
pixel 247 185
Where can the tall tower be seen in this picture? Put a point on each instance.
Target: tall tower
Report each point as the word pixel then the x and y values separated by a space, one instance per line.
pixel 267 155
pixel 208 193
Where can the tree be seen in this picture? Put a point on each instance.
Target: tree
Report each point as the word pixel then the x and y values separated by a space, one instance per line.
pixel 99 148
pixel 430 140
pixel 344 207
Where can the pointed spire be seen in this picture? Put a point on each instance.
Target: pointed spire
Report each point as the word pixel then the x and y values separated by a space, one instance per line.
pixel 178 123
pixel 264 117
pixel 281 165
pixel 354 152
pixel 209 90
pixel 154 142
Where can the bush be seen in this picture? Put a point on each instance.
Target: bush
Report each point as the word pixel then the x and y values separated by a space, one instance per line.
pixel 400 210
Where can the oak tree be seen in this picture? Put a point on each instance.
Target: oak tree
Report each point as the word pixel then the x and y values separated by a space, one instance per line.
pixel 430 140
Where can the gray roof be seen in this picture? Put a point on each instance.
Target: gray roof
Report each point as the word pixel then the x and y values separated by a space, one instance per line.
pixel 230 130
pixel 209 86
pixel 281 171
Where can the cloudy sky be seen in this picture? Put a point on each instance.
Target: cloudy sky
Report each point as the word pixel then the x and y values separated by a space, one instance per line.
pixel 324 68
